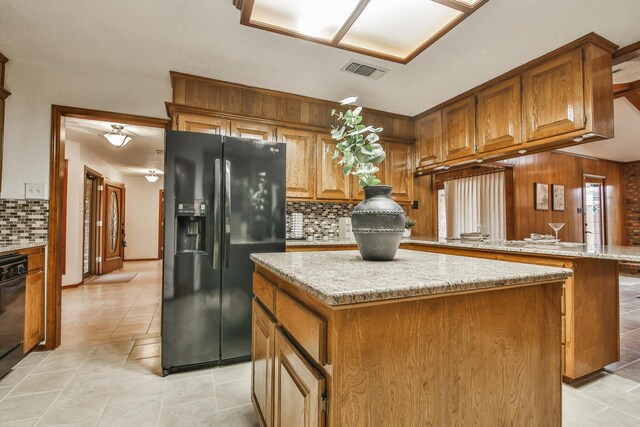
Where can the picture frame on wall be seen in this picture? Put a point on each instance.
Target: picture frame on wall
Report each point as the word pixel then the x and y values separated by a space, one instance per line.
pixel 542 196
pixel 558 201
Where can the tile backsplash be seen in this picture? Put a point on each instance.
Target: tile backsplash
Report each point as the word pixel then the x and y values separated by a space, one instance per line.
pixel 22 220
pixel 320 219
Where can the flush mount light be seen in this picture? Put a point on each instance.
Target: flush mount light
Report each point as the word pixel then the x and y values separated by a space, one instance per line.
pixel 116 137
pixel 395 30
pixel 152 177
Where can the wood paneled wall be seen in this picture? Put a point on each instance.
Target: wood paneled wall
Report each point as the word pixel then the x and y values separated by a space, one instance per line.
pixel 231 98
pixel 568 170
pixel 548 168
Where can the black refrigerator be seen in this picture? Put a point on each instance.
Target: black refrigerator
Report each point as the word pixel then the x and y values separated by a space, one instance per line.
pixel 224 199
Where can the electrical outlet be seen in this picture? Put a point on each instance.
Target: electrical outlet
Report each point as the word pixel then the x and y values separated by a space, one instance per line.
pixel 33 191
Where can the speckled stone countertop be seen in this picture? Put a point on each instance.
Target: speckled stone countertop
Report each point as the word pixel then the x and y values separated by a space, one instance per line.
pixel 616 253
pixel 6 246
pixel 342 277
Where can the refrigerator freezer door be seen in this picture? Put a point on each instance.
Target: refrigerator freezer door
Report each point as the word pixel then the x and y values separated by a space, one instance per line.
pixel 255 220
pixel 191 281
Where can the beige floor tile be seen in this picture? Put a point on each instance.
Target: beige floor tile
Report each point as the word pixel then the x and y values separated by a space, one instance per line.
pixel 616 381
pixel 145 351
pixel 15 377
pixel 577 407
pixel 135 413
pixel 55 363
pixel 33 359
pixel 135 387
pixel 611 417
pixel 614 397
pixel 177 376
pixel 4 391
pixel 232 394
pixel 187 414
pixel 89 385
pixel 39 383
pixel 100 365
pixel 149 366
pixel 79 410
pixel 187 390
pixel 111 349
pixel 237 372
pixel 242 416
pixel 25 407
pixel 24 423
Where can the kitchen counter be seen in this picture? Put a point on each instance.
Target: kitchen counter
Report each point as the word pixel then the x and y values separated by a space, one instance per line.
pixel 7 246
pixel 616 253
pixel 340 341
pixel 342 277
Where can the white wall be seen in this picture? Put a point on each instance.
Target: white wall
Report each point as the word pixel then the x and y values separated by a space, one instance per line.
pixel 36 87
pixel 79 156
pixel 141 217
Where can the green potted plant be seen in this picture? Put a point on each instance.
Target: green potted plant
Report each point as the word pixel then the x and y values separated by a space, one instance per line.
pixel 408 224
pixel 378 221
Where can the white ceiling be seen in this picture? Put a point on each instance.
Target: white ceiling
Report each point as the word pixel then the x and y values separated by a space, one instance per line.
pixel 147 38
pixel 138 157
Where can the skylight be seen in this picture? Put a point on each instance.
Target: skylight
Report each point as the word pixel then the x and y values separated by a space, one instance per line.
pixel 396 30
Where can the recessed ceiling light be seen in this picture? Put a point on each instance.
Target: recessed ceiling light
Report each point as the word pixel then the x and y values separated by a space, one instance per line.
pixel 116 137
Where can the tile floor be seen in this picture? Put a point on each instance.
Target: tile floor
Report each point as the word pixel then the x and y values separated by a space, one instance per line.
pixel 107 371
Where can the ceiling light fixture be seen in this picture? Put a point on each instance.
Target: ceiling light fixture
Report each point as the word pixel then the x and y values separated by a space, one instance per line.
pixel 152 177
pixel 116 137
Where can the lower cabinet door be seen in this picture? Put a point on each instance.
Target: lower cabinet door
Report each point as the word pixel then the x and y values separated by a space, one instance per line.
pixel 299 388
pixel 262 364
pixel 34 311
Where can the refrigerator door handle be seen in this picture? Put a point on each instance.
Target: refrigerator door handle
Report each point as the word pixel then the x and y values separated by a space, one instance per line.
pixel 227 212
pixel 217 176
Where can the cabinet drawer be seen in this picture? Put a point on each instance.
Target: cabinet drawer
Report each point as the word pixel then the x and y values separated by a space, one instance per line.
pixel 36 262
pixel 265 291
pixel 309 330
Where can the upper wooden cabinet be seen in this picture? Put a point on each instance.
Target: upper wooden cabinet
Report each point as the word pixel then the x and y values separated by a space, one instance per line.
pixel 4 94
pixel 202 124
pixel 499 114
pixel 331 183
pixel 251 130
pixel 398 171
pixel 458 125
pixel 553 94
pixel 428 131
pixel 298 388
pixel 301 162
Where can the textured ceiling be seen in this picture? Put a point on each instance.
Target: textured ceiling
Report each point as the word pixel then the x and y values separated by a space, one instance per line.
pixel 147 38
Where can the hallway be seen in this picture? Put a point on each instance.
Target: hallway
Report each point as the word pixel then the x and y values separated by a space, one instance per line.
pixel 107 370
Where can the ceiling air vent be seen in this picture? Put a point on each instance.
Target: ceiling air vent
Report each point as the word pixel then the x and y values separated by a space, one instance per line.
pixel 366 70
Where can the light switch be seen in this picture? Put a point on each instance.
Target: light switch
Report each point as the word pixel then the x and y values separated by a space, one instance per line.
pixel 33 191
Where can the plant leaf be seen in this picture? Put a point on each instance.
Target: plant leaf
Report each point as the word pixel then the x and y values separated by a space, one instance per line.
pixel 349 100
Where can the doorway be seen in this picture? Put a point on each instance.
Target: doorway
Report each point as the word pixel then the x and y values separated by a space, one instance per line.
pixel 90 217
pixel 593 210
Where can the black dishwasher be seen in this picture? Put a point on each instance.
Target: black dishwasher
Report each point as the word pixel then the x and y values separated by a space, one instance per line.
pixel 13 278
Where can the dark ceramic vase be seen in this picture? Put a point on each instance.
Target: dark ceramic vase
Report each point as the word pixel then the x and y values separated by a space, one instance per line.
pixel 377 224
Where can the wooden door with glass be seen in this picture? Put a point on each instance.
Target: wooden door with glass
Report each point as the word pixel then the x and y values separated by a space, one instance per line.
pixel 113 226
pixel 593 210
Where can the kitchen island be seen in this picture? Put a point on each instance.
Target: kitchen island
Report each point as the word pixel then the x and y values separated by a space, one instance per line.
pixel 427 339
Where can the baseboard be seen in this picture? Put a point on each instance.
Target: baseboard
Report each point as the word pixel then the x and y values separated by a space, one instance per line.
pixel 73 285
pixel 142 259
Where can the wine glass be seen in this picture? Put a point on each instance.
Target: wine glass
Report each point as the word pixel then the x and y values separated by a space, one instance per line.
pixel 556 226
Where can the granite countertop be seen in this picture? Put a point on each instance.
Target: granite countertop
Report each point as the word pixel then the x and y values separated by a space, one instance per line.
pixel 342 277
pixel 616 253
pixel 11 246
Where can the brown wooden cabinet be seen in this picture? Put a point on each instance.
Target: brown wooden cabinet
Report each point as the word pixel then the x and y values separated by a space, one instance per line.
pixel 298 388
pixel 331 183
pixel 4 94
pixel 263 344
pixel 499 114
pixel 201 124
pixel 251 130
pixel 301 162
pixel 458 125
pixel 428 132
pixel 34 310
pixel 398 170
pixel 553 97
